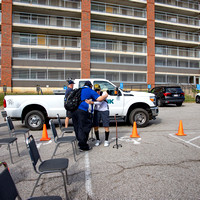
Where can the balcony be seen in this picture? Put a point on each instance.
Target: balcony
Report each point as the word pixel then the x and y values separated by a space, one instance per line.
pixel 179 22
pixel 173 79
pixel 44 74
pixel 45 54
pixel 183 4
pixel 179 38
pixel 119 31
pixel 111 58
pixel 178 6
pixel 48 41
pixel 122 14
pixel 190 54
pixel 24 22
pixel 57 7
pixel 177 63
pixel 118 46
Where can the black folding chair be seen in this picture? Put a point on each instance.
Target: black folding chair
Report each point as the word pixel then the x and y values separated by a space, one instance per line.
pixel 14 132
pixel 60 140
pixel 8 141
pixel 63 129
pixel 4 114
pixel 58 165
pixel 8 190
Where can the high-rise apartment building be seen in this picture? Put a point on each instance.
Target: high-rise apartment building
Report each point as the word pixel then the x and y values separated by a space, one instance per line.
pixel 45 42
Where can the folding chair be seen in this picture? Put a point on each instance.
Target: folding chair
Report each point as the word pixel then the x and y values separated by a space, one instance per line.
pixel 47 166
pixel 14 132
pixel 8 190
pixel 60 140
pixel 4 114
pixel 9 141
pixel 63 129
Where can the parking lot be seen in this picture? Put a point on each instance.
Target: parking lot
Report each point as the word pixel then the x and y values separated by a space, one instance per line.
pixel 158 165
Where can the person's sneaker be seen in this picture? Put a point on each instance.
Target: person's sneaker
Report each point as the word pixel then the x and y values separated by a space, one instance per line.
pixel 106 143
pixel 98 142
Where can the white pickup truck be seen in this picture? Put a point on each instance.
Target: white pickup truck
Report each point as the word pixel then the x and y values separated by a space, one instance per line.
pixel 34 110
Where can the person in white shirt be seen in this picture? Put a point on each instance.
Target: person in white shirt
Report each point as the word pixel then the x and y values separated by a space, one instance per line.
pixel 101 113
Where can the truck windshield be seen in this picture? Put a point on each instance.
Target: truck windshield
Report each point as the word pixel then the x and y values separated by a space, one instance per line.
pixel 105 86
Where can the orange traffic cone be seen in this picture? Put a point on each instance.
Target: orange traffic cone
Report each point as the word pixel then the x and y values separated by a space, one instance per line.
pixel 180 129
pixel 44 134
pixel 134 131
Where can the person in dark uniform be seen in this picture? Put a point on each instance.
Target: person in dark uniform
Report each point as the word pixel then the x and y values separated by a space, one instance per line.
pixel 82 117
pixel 68 90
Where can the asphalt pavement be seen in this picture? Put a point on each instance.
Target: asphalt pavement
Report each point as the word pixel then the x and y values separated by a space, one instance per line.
pixel 159 165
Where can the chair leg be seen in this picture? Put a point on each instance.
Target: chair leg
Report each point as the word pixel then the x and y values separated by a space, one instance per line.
pixel 65 185
pixel 76 146
pixel 55 150
pixel 25 139
pixel 62 133
pixel 68 183
pixel 36 184
pixel 17 148
pixel 10 153
pixel 73 148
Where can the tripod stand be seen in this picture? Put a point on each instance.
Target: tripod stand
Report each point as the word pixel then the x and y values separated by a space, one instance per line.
pixel 116 145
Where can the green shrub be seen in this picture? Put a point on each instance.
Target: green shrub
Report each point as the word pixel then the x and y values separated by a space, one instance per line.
pixel 189 98
pixel 1 99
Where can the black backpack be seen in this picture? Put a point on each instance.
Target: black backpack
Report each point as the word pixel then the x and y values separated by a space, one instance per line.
pixel 73 100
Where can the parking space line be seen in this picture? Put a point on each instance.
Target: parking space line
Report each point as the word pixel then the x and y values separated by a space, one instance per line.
pixel 188 142
pixel 194 138
pixel 88 183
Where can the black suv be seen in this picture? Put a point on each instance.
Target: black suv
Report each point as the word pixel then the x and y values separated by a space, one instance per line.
pixel 168 95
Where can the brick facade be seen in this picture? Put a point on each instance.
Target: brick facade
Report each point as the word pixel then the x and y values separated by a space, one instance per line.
pixel 6 43
pixel 151 42
pixel 85 38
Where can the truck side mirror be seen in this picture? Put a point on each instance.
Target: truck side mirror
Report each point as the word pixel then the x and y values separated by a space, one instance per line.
pixel 117 91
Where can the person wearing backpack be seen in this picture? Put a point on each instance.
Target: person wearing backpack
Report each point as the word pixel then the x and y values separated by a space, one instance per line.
pixel 82 117
pixel 68 90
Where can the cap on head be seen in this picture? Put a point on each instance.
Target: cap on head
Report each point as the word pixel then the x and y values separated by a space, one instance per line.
pixel 70 82
pixel 97 87
pixel 88 83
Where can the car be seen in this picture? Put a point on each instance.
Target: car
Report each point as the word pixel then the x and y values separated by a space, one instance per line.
pixel 169 95
pixel 197 99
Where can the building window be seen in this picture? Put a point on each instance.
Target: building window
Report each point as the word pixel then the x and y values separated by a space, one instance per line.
pixel 183 79
pixel 171 79
pixel 194 64
pixel 126 59
pixel 172 62
pixel 160 62
pixel 139 77
pixel 141 60
pixel 127 77
pixel 160 78
pixel 183 63
pixel 112 76
pixel 97 57
pixel 96 74
pixel 56 74
pixel 20 73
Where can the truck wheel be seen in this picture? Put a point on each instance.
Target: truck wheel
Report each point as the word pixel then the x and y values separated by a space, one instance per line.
pixel 34 120
pixel 140 116
pixel 197 99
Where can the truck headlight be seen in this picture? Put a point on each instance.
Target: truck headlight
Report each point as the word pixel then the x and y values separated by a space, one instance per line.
pixel 153 99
